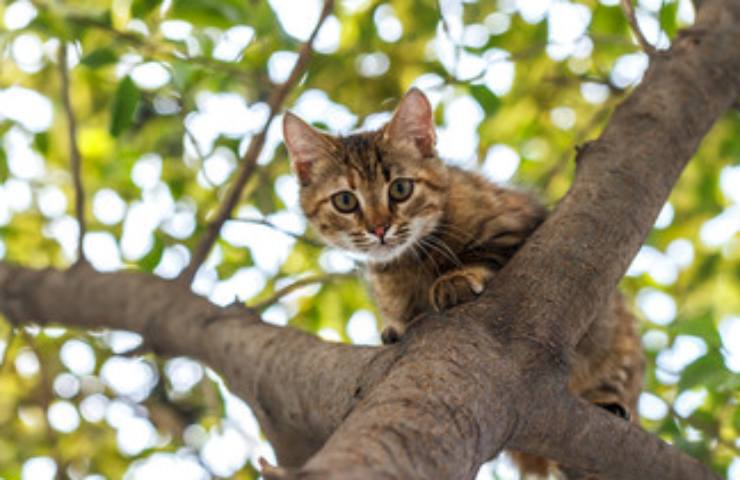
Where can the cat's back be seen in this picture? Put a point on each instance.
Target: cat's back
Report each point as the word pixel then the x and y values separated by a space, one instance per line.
pixel 479 210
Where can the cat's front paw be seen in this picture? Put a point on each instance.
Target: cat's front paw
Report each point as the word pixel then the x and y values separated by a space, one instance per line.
pixel 458 286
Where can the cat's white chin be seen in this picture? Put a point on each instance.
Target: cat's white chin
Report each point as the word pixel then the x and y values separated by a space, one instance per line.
pixel 385 253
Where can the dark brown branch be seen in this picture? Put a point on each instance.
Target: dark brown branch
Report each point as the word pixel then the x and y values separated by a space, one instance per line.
pixel 249 160
pixel 629 12
pixel 74 152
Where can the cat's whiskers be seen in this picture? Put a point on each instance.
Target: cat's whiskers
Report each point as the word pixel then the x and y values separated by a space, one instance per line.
pixel 452 255
pixel 420 244
pixel 442 249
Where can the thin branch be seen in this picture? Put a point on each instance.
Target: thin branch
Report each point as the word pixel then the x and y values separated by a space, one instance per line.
pixel 298 284
pixel 8 344
pixel 249 160
pixel 629 12
pixel 201 156
pixel 74 151
pixel 267 223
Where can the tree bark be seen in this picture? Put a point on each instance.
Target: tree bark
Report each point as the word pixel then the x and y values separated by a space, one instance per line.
pixel 485 376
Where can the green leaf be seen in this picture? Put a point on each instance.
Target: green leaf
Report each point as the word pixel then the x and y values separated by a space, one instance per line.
pixel 224 14
pixel 141 8
pixel 150 261
pixel 125 101
pixel 41 142
pixel 701 326
pixel 705 422
pixel 99 58
pixel 234 258
pixel 668 16
pixel 489 102
pixel 4 172
pixel 707 371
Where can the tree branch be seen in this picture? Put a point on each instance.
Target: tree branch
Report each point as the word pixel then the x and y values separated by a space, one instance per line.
pixel 257 360
pixel 74 152
pixel 298 284
pixel 629 12
pixel 449 410
pixel 487 375
pixel 249 160
pixel 575 259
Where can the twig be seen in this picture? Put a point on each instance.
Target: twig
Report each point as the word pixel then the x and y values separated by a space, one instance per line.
pixel 249 160
pixel 629 12
pixel 298 284
pixel 201 156
pixel 74 152
pixel 267 223
pixel 8 343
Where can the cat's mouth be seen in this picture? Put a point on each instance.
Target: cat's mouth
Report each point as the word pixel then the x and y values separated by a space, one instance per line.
pixel 399 241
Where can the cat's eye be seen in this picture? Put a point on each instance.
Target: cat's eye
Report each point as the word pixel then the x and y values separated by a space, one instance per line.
pixel 401 189
pixel 345 201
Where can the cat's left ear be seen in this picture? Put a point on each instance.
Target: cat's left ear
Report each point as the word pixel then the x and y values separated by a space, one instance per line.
pixel 413 121
pixel 305 145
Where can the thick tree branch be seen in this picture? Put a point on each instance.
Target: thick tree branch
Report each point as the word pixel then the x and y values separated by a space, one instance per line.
pixel 570 266
pixel 249 160
pixel 257 360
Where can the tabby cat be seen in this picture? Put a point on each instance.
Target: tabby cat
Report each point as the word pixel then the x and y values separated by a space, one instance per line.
pixel 434 236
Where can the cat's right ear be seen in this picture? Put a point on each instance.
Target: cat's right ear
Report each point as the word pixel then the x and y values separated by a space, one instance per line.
pixel 413 121
pixel 305 145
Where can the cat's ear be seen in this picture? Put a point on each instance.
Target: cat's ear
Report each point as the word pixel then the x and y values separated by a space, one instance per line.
pixel 305 145
pixel 413 121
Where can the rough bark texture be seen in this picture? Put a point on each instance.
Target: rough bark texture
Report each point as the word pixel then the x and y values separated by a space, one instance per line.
pixel 488 375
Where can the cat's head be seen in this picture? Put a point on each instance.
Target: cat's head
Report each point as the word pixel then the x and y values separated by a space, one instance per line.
pixel 374 194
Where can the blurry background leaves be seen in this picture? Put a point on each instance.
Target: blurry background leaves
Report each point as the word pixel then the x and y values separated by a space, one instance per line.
pixel 168 95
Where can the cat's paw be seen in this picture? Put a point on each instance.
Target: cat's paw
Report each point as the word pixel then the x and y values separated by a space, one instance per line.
pixel 390 335
pixel 458 286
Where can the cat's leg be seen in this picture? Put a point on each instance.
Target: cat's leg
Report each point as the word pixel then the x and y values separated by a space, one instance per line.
pixel 459 286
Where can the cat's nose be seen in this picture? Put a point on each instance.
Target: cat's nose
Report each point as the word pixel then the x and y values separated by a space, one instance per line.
pixel 380 231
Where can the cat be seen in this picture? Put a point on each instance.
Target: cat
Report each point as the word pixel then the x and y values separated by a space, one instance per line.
pixel 434 236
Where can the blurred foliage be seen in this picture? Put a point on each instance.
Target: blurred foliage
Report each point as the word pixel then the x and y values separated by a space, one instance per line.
pixel 134 143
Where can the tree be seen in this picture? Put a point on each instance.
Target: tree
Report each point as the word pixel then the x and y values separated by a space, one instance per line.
pixel 136 94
